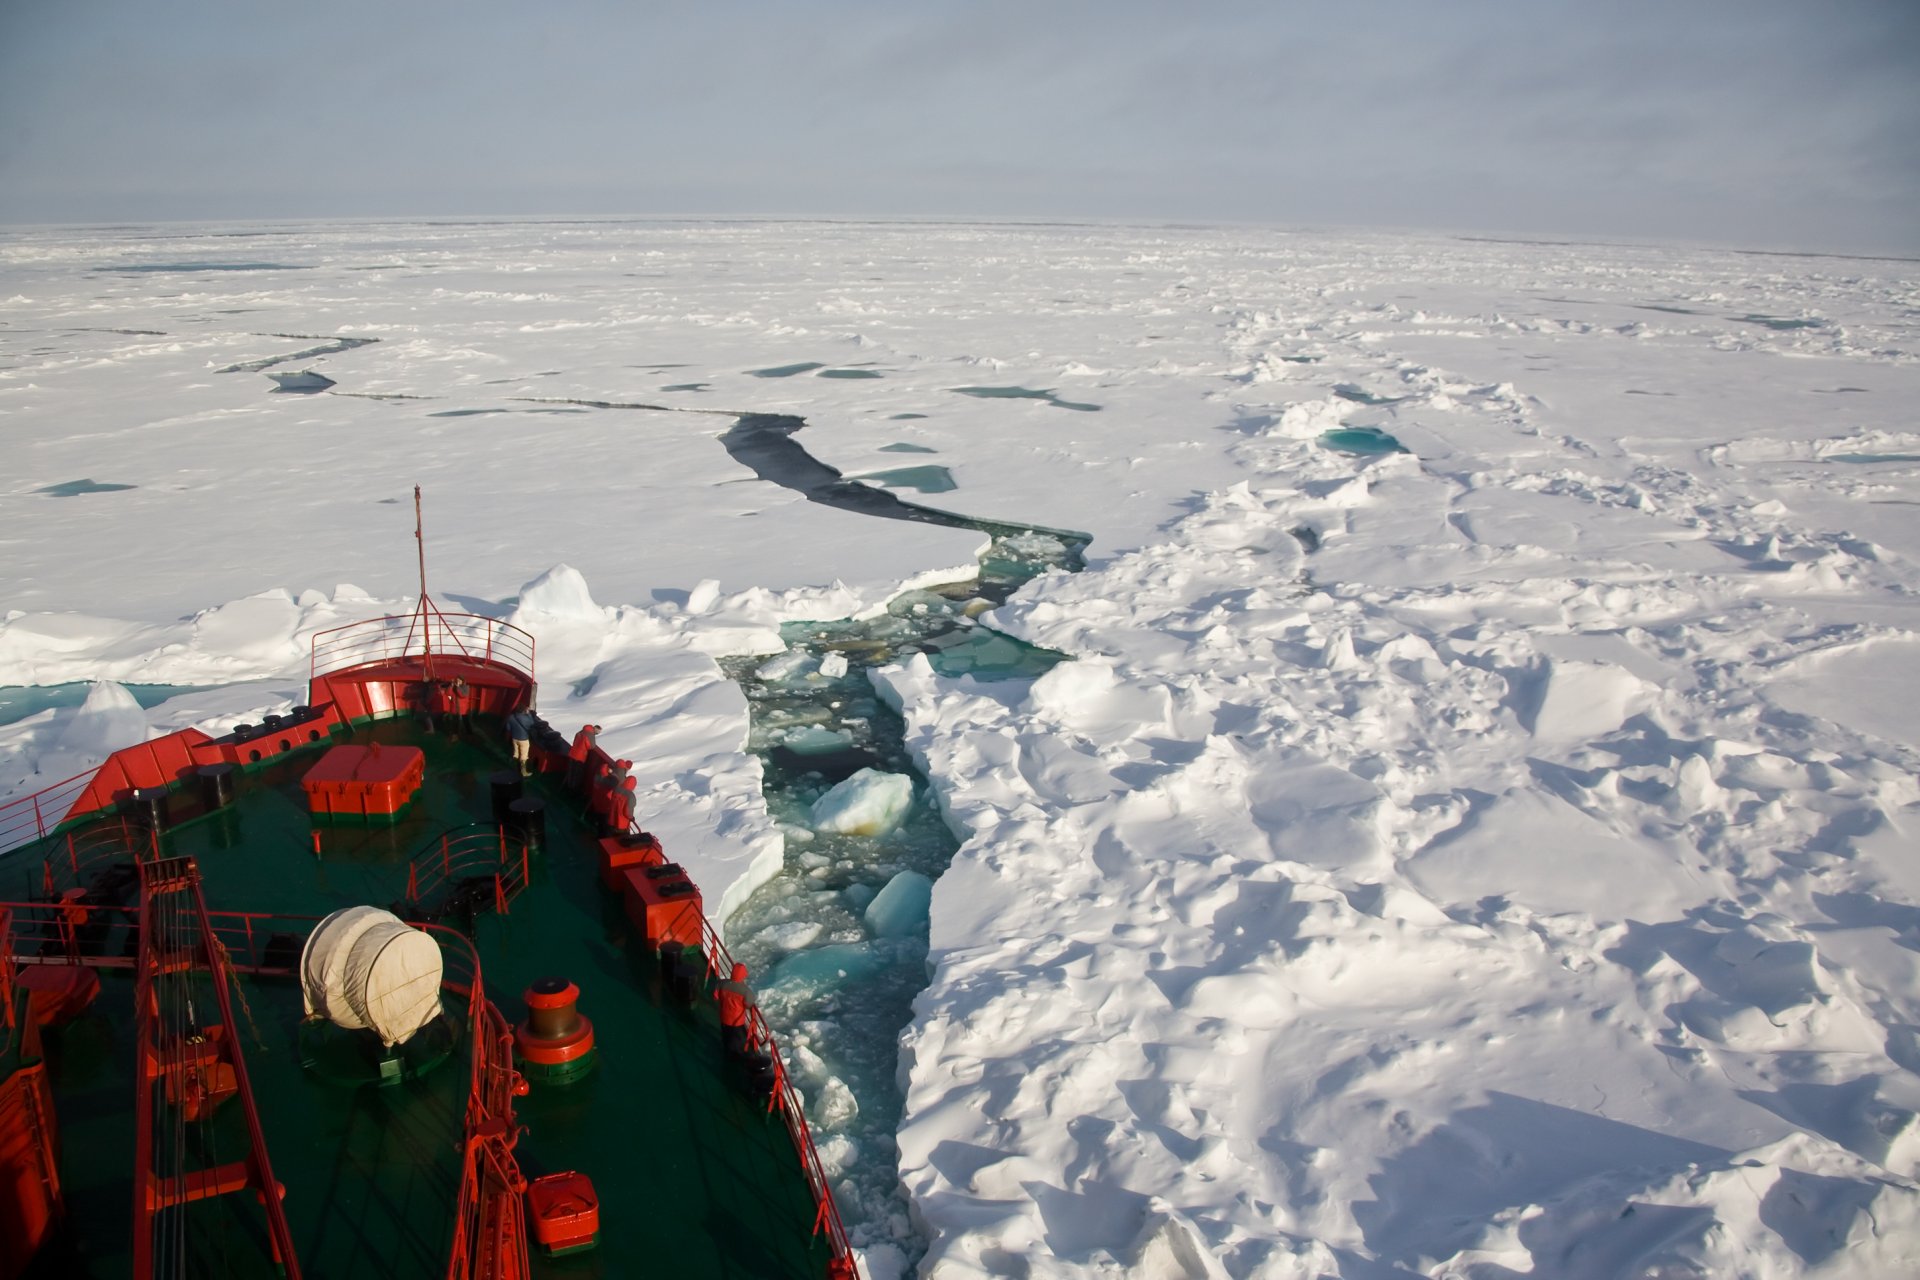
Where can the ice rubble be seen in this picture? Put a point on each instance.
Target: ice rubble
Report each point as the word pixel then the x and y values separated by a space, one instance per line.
pixel 1521 882
pixel 560 592
pixel 108 720
pixel 869 803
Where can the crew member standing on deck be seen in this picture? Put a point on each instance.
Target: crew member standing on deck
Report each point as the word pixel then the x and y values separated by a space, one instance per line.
pixel 439 700
pixel 735 998
pixel 577 757
pixel 461 702
pixel 520 734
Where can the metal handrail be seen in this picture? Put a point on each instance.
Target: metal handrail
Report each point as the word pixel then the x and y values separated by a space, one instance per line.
pixel 6 969
pixel 490 1178
pixel 786 1099
pixel 31 930
pixel 165 935
pixel 91 847
pixel 477 844
pixel 396 636
pixel 38 815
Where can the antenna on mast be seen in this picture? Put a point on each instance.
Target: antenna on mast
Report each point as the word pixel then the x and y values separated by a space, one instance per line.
pixel 426 610
pixel 420 538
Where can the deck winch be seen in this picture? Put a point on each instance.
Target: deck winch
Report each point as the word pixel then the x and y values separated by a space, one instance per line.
pixel 555 1043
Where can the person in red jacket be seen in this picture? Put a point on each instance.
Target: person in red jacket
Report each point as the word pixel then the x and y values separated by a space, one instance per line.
pixel 577 757
pixel 735 998
pixel 620 807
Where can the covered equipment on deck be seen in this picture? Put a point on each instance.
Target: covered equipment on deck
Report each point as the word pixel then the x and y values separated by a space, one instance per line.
pixel 365 967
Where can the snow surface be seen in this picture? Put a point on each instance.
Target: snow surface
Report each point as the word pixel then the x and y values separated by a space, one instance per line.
pixel 1520 881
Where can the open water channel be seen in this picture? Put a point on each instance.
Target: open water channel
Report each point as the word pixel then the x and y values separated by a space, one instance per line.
pixel 837 942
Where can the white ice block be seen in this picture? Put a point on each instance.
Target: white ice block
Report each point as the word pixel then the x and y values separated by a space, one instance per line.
pixel 901 908
pixel 869 803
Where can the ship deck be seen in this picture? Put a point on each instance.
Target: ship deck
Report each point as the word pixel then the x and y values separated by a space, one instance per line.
pixel 694 1176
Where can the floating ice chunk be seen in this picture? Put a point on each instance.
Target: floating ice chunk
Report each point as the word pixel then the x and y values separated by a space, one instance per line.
pixel 794 936
pixel 837 1154
pixel 825 968
pixel 859 895
pixel 901 908
pixel 816 740
pixel 304 380
pixel 834 1106
pixel 779 718
pixel 784 666
pixel 869 803
pixel 881 1261
pixel 1033 546
pixel 834 665
pixel 108 720
pixel 560 592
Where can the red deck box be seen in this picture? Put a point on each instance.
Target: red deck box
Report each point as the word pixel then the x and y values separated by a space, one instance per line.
pixel 622 852
pixel 565 1212
pixel 361 782
pixel 662 904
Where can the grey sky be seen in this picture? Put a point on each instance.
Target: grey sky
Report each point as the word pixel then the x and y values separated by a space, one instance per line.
pixel 1792 125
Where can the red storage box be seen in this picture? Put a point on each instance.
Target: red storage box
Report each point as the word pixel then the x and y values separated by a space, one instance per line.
pixel 620 853
pixel 361 782
pixel 662 904
pixel 565 1212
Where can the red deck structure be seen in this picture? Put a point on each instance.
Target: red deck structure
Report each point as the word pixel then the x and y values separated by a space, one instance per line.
pixel 428 661
pixel 662 904
pixel 364 782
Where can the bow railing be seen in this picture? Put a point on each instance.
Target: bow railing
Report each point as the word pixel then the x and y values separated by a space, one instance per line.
pixel 455 635
pixel 34 817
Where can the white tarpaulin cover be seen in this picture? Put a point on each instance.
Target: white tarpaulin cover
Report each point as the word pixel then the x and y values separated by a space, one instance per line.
pixel 365 967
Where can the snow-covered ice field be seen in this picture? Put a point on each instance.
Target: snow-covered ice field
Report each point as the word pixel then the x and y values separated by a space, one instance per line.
pixel 1487 860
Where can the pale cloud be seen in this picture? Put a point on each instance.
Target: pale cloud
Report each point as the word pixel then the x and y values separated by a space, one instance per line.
pixel 1748 123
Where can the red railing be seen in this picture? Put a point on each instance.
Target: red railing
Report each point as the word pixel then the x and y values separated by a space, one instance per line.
pixel 489 1234
pixel 78 853
pixel 6 968
pixel 489 1237
pixel 34 817
pixel 478 848
pixel 450 635
pixel 453 635
pixel 177 940
pixel 786 1100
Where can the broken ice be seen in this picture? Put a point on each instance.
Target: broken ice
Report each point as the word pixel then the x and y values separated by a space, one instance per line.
pixel 901 909
pixel 869 803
